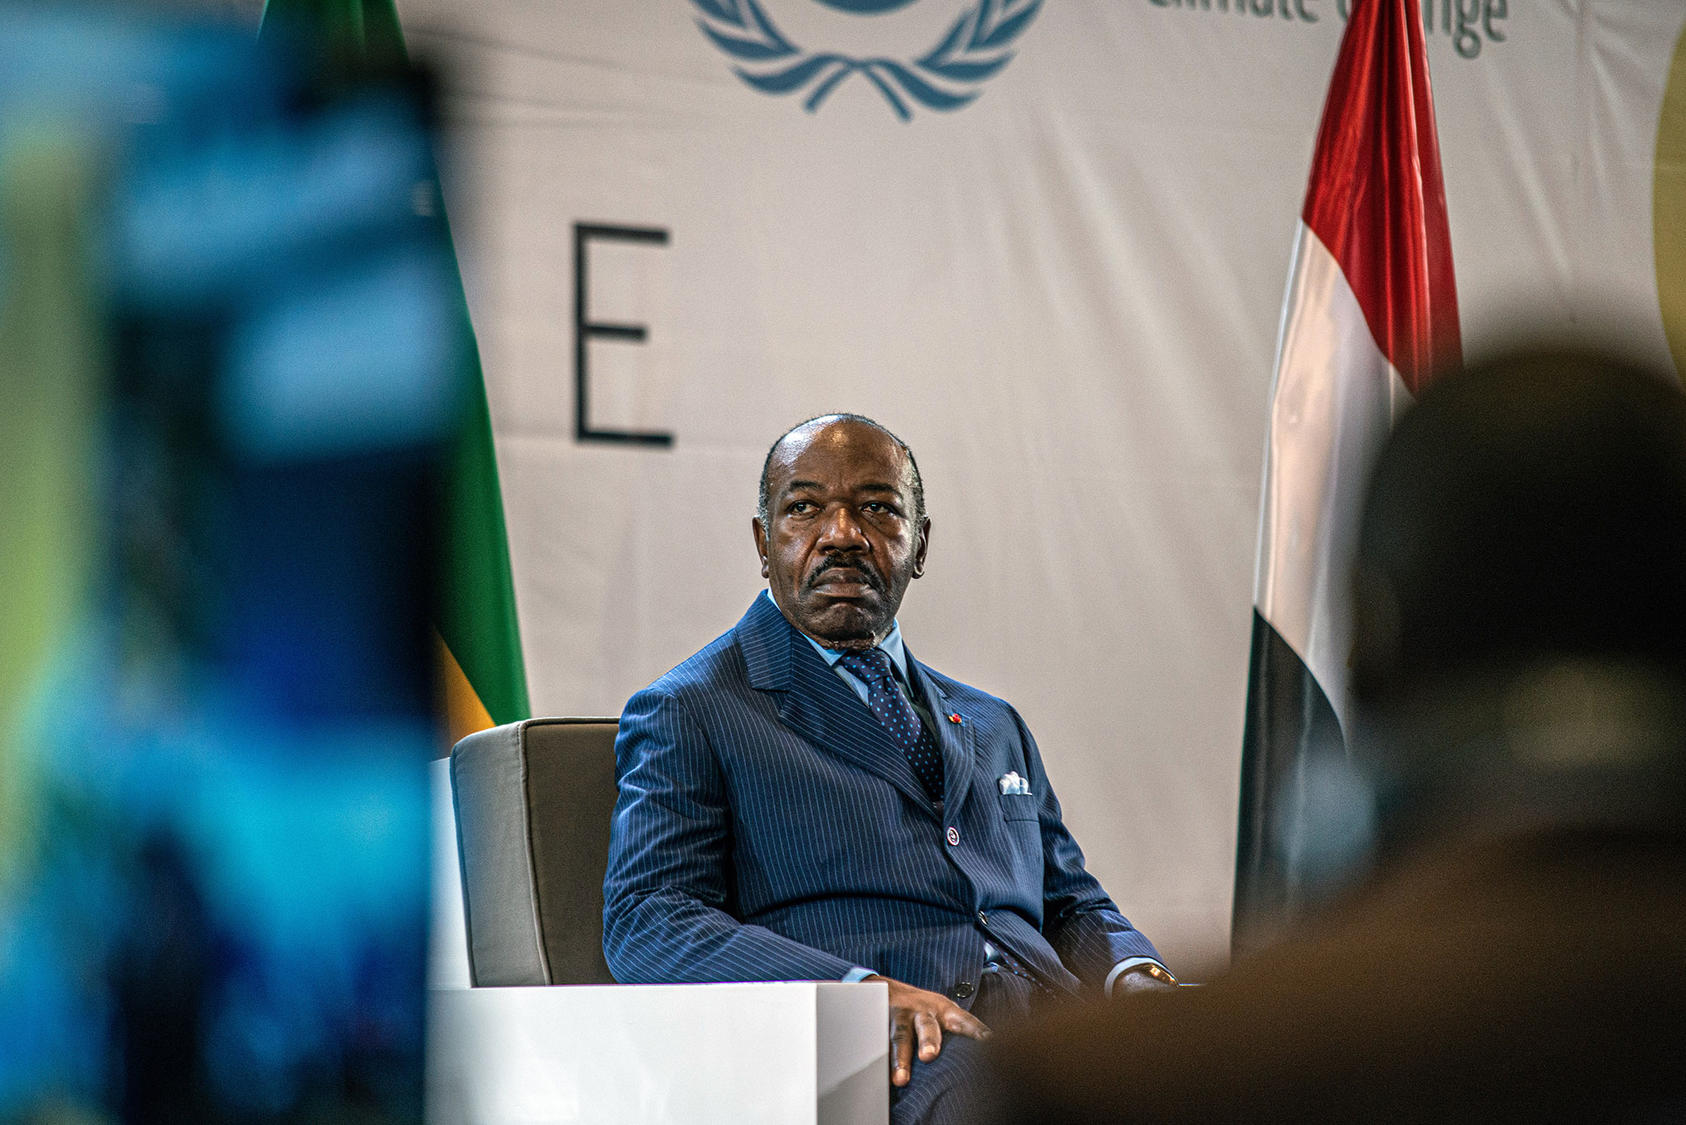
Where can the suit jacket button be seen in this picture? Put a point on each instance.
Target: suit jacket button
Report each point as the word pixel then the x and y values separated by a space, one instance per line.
pixel 983 917
pixel 963 990
pixel 953 836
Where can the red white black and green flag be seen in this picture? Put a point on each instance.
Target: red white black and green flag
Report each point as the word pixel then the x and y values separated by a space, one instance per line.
pixel 1369 315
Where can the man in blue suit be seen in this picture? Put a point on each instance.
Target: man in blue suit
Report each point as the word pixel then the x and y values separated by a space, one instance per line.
pixel 803 800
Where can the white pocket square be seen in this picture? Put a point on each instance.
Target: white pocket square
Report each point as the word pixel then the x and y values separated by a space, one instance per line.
pixel 1012 783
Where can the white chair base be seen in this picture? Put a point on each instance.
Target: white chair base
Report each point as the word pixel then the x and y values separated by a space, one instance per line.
pixel 800 1053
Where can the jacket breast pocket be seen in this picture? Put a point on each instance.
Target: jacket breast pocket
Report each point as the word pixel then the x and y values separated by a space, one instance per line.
pixel 1019 806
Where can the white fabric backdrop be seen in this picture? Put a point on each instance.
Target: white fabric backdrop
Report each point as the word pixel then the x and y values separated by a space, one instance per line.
pixel 1064 296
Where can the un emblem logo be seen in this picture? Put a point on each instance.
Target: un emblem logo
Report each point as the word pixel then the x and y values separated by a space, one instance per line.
pixel 868 7
pixel 947 76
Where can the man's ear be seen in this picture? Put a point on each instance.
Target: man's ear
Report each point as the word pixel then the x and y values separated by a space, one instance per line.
pixel 921 543
pixel 760 534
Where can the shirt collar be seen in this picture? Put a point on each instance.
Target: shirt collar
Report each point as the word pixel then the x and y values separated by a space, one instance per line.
pixel 891 644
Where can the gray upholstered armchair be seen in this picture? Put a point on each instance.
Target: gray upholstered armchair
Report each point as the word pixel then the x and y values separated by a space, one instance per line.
pixel 533 801
pixel 532 806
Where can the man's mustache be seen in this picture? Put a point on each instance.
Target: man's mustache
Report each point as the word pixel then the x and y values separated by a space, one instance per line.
pixel 860 570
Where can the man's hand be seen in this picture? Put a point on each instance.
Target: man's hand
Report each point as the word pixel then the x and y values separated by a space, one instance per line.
pixel 920 1017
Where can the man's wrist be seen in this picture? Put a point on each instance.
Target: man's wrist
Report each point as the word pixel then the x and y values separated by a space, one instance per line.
pixel 1144 968
pixel 857 974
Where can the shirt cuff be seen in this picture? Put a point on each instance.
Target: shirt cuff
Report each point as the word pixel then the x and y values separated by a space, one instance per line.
pixel 1125 966
pixel 858 974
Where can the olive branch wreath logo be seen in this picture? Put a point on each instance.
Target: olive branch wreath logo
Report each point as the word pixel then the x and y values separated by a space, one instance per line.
pixel 945 78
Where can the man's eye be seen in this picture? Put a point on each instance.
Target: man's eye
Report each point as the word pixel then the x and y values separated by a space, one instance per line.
pixel 797 507
pixel 877 506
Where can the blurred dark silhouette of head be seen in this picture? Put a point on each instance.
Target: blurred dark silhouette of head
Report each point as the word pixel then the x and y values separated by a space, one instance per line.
pixel 1518 952
pixel 1533 504
pixel 1520 588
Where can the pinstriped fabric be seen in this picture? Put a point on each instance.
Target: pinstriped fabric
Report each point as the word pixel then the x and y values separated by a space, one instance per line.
pixel 768 828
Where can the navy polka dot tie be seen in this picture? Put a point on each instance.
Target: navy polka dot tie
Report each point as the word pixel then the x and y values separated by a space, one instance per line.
pixel 872 668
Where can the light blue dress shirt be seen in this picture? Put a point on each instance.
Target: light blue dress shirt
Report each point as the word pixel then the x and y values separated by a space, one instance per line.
pixel 892 647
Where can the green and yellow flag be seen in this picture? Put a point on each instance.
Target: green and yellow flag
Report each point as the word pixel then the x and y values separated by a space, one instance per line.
pixel 483 679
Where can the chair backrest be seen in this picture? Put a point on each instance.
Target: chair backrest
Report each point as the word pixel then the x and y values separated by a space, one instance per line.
pixel 533 802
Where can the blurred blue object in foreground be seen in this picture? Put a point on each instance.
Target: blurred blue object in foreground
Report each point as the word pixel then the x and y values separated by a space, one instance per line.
pixel 229 359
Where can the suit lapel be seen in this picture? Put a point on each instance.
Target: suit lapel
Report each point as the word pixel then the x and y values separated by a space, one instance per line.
pixel 954 740
pixel 815 702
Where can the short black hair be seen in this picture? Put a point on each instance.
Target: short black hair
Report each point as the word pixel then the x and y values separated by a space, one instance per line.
pixel 913 464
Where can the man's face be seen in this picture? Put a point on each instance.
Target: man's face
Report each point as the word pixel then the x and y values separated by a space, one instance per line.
pixel 840 545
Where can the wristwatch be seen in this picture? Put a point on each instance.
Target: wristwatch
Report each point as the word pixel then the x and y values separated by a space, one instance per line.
pixel 1147 968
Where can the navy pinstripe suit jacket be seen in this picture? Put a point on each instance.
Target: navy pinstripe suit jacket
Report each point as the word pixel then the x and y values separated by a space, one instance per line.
pixel 768 829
